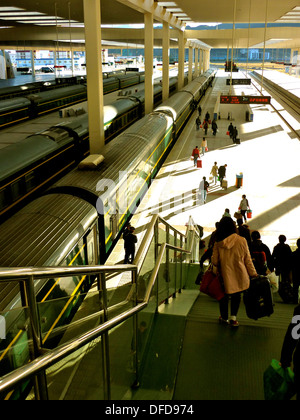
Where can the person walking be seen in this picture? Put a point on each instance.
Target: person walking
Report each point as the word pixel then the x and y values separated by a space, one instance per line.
pixel 235 134
pixel 244 206
pixel 296 272
pixel 130 239
pixel 198 123
pixel 232 259
pixel 207 116
pixel 214 172
pixel 199 110
pixel 196 154
pixel 203 145
pixel 230 130
pixel 214 127
pixel 205 126
pixel 203 189
pixel 261 254
pixel 282 256
pixel 244 231
pixel 222 173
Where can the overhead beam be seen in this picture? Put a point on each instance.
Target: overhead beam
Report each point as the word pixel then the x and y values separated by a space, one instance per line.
pixel 159 13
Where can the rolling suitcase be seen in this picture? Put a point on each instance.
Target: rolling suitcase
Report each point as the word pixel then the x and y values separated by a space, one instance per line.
pixel 199 163
pixel 225 184
pixel 258 298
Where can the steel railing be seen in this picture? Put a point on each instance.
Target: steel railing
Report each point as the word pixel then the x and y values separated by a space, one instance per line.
pixel 43 359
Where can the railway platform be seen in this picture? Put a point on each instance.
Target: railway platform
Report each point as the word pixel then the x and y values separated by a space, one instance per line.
pixel 189 355
pixel 216 363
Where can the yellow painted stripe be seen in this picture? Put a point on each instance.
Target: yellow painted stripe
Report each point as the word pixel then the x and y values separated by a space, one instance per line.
pixel 10 346
pixel 64 309
pixel 58 280
pixel 108 238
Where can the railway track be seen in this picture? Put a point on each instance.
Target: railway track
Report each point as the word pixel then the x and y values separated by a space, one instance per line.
pixel 285 102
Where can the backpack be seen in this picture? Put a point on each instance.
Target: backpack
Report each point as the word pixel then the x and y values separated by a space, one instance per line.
pixel 259 259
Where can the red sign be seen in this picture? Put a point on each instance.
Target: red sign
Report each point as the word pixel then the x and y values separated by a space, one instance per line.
pixel 245 100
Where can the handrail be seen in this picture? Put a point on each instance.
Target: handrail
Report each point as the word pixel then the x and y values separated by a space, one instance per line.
pixel 17 274
pixel 52 357
pixel 40 363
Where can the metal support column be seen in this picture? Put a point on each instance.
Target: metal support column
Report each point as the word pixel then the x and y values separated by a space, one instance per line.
pixel 92 20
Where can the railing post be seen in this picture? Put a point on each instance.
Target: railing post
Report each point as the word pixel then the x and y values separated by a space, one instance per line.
pixel 167 271
pixel 105 342
pixel 136 383
pixel 40 382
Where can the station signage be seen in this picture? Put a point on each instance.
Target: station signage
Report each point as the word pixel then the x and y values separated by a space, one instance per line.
pixel 245 100
pixel 238 82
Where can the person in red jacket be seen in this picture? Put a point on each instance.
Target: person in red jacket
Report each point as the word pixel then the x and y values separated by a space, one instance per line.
pixel 196 154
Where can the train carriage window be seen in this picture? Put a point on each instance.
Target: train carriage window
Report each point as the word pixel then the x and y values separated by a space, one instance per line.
pixel 30 181
pixel 17 189
pixel 92 247
pixel 3 198
pixel 77 255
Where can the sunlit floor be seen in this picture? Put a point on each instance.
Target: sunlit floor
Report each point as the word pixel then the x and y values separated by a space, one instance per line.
pixel 268 158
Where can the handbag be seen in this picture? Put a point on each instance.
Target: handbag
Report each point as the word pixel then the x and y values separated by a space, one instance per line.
pixel 212 285
pixel 278 383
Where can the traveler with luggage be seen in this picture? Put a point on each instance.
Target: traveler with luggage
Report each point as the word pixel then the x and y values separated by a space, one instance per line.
pixel 282 256
pixel 214 172
pixel 222 173
pixel 291 349
pixel 261 254
pixel 205 126
pixel 244 206
pixel 195 155
pixel 230 130
pixel 232 259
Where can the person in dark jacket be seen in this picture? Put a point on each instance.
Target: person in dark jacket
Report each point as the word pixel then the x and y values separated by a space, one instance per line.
pixel 130 239
pixel 291 349
pixel 282 256
pixel 222 173
pixel 261 254
pixel 214 127
pixel 235 134
pixel 244 231
pixel 296 272
pixel 230 129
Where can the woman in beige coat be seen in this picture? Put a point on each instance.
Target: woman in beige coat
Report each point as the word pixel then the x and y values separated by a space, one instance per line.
pixel 231 257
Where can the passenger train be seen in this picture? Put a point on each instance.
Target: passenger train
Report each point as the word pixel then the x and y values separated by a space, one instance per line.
pixel 21 103
pixel 30 165
pixel 78 221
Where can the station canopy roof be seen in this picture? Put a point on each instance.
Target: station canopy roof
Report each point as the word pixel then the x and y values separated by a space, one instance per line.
pixel 28 24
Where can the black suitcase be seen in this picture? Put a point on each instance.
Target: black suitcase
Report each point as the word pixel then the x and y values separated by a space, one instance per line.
pixel 258 298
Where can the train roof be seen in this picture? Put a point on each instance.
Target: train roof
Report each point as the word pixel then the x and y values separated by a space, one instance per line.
pixel 7 105
pixel 127 153
pixel 42 234
pixel 17 156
